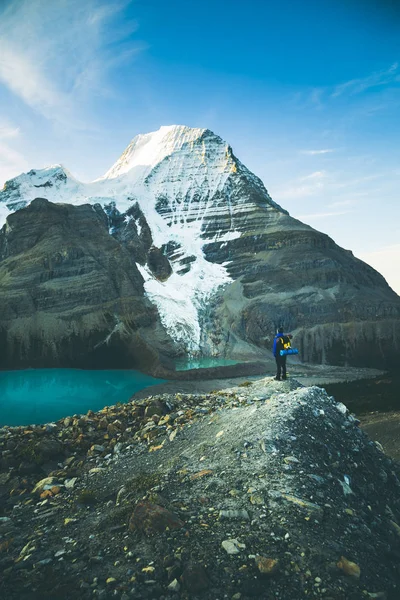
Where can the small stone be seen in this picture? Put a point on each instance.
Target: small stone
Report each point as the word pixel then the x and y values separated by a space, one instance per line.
pixel 149 569
pixel 96 449
pixel 236 596
pixel 111 581
pixel 267 566
pixel 256 499
pixel 70 483
pixel 44 562
pixel 395 527
pixel 313 509
pixel 200 474
pixel 152 518
pixel 232 546
pixel 172 435
pixel 46 494
pixel 348 567
pixel 291 460
pixel 40 486
pixel 120 495
pixel 174 586
pixel 234 514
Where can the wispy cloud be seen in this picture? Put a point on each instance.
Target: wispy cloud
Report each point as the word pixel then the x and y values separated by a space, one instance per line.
pixel 11 160
pixel 56 59
pixel 307 185
pixel 315 152
pixel 339 203
pixel 315 176
pixel 376 79
pixel 7 132
pixel 321 98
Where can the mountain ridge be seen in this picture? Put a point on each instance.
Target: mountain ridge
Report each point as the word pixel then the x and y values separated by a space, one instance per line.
pixel 222 262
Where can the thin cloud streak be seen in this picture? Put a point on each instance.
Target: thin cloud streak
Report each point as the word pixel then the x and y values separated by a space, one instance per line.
pixel 7 131
pixel 11 160
pixel 314 176
pixel 377 79
pixel 56 61
pixel 316 152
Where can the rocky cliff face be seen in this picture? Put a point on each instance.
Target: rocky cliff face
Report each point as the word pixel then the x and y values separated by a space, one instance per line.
pixel 214 260
pixel 70 294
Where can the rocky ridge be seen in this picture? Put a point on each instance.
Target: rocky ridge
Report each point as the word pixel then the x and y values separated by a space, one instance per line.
pixel 266 490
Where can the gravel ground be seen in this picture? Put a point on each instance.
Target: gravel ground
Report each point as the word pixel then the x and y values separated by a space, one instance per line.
pixel 266 490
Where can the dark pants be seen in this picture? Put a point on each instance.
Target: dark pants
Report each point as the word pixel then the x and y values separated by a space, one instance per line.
pixel 280 366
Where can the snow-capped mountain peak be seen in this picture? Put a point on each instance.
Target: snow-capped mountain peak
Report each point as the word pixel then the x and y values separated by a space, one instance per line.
pixel 191 190
pixel 147 150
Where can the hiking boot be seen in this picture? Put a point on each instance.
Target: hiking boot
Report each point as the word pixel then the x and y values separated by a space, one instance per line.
pixel 277 378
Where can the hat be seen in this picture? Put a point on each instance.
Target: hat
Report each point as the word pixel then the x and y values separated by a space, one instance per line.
pixel 280 329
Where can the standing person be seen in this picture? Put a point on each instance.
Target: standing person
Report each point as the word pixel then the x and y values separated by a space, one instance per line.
pixel 279 344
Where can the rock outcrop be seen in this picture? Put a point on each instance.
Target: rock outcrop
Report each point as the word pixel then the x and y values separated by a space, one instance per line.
pixel 266 491
pixel 71 294
pixel 221 263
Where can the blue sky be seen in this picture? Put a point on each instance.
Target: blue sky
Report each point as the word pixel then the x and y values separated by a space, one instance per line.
pixel 306 92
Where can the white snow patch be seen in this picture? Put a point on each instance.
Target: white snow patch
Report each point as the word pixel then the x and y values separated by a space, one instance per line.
pixel 4 212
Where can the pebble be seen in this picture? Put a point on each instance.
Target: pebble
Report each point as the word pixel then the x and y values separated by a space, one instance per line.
pixel 348 567
pixel 174 586
pixel 232 546
pixel 267 566
pixel 234 514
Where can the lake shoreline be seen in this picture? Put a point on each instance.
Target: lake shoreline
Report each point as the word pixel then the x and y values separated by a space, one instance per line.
pixel 306 374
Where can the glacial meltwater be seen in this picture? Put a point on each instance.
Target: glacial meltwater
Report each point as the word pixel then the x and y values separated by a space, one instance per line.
pixel 37 396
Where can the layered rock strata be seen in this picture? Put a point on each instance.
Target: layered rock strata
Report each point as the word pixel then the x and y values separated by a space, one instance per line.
pixel 70 294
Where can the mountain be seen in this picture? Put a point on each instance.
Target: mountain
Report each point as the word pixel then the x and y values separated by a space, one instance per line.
pixel 208 254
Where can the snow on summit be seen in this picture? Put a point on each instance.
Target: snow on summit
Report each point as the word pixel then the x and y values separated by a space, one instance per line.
pixel 189 186
pixel 147 150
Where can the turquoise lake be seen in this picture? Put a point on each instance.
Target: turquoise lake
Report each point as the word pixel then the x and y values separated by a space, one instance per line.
pixel 37 396
pixel 203 362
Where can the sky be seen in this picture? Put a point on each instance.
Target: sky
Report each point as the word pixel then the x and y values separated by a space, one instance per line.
pixel 307 93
